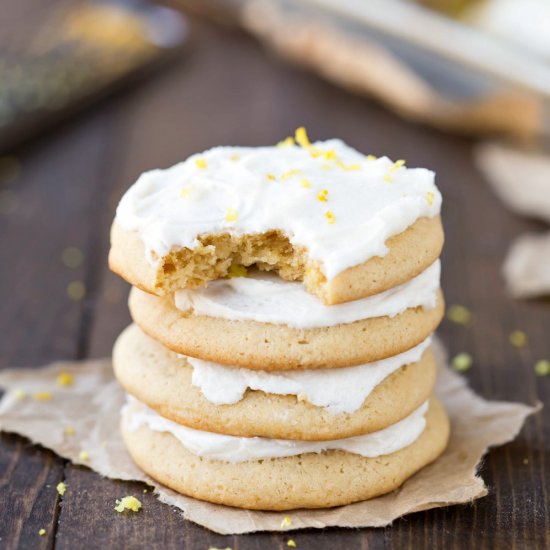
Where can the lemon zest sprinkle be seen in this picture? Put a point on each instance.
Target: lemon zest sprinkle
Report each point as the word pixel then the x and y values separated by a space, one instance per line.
pixel 43 396
pixel 231 215
pixel 201 162
pixel 393 169
pixel 65 379
pixel 287 521
pixel 287 142
pixel 291 543
pixel 305 183
pixel 290 173
pixel 323 195
pixel 462 362
pixel 518 338
pixel 542 367
pixel 84 455
pixel 128 503
pixel 69 430
pixel 331 218
pixel 235 157
pixel 301 138
pixel 348 167
pixel 459 314
pixel 61 488
pixel 371 157
pixel 42 532
pixel 330 154
pixel 19 394
pixel 430 197
pixel 270 177
pixel 237 270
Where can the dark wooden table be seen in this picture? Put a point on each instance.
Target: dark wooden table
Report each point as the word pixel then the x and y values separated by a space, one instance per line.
pixel 227 90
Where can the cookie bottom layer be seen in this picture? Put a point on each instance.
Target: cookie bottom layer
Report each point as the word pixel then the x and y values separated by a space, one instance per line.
pixel 332 478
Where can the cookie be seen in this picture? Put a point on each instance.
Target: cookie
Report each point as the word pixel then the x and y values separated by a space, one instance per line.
pixel 409 253
pixel 312 480
pixel 346 224
pixel 268 346
pixel 161 379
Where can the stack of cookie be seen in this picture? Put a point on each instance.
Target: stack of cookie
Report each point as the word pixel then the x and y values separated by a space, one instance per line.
pixel 284 300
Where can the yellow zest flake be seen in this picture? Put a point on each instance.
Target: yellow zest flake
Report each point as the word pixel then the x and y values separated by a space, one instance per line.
pixel 290 173
pixel 42 532
pixel 396 166
pixel 459 314
pixel 270 177
pixel 201 162
pixel 287 142
pixel 542 367
pixel 348 167
pixel 301 138
pixel 72 257
pixel 331 218
pixel 305 183
pixel 287 522
pixel 518 338
pixel 216 548
pixel 462 362
pixel 430 197
pixel 303 141
pixel 237 270
pixel 291 543
pixel 19 394
pixel 69 430
pixel 76 290
pixel 61 488
pixel 330 154
pixel 84 455
pixel 235 157
pixel 43 396
pixel 323 195
pixel 371 157
pixel 231 215
pixel 65 379
pixel 128 503
pixel 185 192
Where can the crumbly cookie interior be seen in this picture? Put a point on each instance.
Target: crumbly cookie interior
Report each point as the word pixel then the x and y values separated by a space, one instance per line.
pixel 222 254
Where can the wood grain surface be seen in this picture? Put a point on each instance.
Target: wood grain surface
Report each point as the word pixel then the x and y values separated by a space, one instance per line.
pixel 227 90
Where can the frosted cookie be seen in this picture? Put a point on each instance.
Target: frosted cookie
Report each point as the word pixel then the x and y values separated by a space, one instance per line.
pixel 270 324
pixel 306 405
pixel 345 224
pixel 269 474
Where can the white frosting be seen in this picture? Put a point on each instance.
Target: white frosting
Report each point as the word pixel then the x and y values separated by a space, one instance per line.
pixel 240 449
pixel 367 208
pixel 341 390
pixel 265 298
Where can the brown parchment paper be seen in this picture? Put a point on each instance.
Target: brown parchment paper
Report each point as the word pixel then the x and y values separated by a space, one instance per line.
pixel 91 407
pixel 521 179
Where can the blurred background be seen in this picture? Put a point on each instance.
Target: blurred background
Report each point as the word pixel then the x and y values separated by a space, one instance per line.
pixel 92 93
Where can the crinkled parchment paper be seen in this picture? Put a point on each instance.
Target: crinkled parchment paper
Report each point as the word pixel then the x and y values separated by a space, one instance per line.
pixel 91 405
